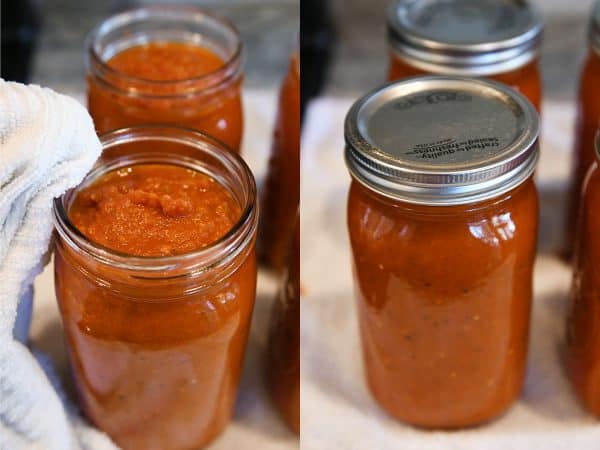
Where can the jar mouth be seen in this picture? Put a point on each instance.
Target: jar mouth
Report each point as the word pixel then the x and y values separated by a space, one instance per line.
pixel 177 23
pixel 221 252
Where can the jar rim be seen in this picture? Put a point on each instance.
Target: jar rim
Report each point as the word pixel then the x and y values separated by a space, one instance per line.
pixel 219 252
pixel 230 70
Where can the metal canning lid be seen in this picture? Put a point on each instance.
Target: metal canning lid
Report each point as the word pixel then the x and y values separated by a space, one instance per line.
pixel 442 140
pixel 595 28
pixel 465 37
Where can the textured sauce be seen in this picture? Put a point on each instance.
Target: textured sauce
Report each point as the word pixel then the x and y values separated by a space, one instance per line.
pixel 444 296
pixel 162 82
pixel 175 210
pixel 156 362
pixel 525 79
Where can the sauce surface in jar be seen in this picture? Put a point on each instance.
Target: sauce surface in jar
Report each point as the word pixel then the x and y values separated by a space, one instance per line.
pixel 283 351
pixel 175 210
pixel 442 218
pixel 583 324
pixel 155 273
pixel 588 121
pixel 281 194
pixel 490 38
pixel 176 82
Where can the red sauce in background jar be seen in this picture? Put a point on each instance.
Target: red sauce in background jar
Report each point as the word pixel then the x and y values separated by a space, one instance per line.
pixel 588 121
pixel 283 352
pixel 155 274
pixel 494 39
pixel 583 325
pixel 442 218
pixel 281 194
pixel 167 80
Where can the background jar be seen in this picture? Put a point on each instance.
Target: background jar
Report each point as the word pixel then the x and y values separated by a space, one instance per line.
pixel 281 193
pixel 282 371
pixel 583 323
pixel 588 121
pixel 210 103
pixel 442 217
pixel 494 39
pixel 156 344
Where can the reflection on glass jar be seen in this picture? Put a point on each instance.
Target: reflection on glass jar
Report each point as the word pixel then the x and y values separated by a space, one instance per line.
pixel 583 325
pixel 283 352
pixel 442 218
pixel 588 121
pixel 156 327
pixel 146 66
pixel 494 39
pixel 281 193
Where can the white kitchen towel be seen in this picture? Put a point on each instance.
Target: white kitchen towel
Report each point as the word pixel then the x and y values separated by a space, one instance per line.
pixel 338 411
pixel 47 145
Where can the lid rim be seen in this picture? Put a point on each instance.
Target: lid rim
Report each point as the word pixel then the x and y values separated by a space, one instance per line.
pixel 405 37
pixel 457 181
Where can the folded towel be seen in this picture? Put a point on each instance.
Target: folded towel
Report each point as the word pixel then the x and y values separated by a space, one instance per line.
pixel 47 145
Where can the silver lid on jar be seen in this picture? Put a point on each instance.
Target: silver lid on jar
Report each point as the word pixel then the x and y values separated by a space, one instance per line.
pixel 465 37
pixel 442 140
pixel 595 27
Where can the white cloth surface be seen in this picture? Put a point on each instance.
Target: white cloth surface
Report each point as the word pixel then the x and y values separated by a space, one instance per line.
pixel 47 145
pixel 255 424
pixel 338 411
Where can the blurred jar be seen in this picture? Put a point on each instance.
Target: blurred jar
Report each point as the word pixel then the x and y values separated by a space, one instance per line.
pixel 156 344
pixel 588 120
pixel 442 218
pixel 583 325
pixel 283 351
pixel 146 66
pixel 475 38
pixel 281 192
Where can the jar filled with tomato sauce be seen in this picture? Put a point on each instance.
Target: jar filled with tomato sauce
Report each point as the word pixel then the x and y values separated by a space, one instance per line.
pixel 281 193
pixel 442 218
pixel 588 120
pixel 583 320
pixel 155 274
pixel 283 351
pixel 496 39
pixel 174 65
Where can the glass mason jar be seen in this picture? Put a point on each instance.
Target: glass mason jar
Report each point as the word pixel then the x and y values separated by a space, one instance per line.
pixel 583 323
pixel 494 39
pixel 442 217
pixel 588 120
pixel 281 193
pixel 283 348
pixel 156 344
pixel 151 93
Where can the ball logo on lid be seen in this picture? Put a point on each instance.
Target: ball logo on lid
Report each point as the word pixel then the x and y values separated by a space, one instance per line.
pixel 433 98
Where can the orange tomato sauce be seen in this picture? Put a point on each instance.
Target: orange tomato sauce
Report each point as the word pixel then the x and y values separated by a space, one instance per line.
pixel 156 362
pixel 175 210
pixel 525 79
pixel 162 83
pixel 444 296
pixel 281 194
